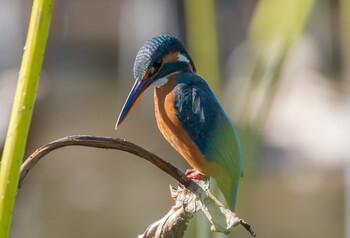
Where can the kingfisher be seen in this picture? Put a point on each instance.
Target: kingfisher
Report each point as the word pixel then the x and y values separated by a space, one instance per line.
pixel 187 113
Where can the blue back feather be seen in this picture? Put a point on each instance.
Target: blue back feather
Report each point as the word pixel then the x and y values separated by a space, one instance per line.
pixel 202 117
pixel 197 115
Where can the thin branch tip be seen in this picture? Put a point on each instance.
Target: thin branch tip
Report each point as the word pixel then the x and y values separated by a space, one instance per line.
pixel 247 227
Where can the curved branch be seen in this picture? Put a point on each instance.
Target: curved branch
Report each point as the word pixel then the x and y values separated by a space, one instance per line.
pixel 221 218
pixel 106 143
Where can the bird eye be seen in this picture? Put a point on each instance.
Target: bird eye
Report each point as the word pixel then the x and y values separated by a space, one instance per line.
pixel 156 65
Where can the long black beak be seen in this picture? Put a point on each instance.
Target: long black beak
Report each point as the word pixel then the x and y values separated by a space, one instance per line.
pixel 137 90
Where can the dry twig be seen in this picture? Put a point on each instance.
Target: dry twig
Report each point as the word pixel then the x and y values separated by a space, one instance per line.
pixel 189 198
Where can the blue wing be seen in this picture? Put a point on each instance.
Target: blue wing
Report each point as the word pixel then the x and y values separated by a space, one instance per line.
pixel 209 127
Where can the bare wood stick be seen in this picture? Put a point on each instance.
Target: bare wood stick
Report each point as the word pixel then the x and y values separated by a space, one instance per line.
pixel 195 196
pixel 105 143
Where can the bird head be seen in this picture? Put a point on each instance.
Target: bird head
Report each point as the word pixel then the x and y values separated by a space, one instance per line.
pixel 158 58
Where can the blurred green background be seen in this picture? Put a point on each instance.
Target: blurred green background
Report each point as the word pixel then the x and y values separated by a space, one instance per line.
pixel 279 67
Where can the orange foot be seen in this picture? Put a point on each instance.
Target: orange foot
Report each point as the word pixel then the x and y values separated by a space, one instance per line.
pixel 195 174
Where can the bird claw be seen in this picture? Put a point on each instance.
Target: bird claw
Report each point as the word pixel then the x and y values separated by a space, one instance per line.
pixel 195 174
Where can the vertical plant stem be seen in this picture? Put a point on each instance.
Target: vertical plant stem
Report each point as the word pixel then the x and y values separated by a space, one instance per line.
pixel 22 110
pixel 345 37
pixel 203 45
pixel 202 40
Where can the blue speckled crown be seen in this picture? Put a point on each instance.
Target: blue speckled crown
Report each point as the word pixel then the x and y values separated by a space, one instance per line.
pixel 155 49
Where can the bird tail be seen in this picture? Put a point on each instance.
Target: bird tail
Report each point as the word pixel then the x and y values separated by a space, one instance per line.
pixel 229 188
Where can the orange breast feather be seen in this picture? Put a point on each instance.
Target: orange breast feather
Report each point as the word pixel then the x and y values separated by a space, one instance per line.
pixel 172 129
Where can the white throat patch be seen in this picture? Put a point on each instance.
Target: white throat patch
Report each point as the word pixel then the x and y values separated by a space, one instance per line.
pixel 160 82
pixel 182 58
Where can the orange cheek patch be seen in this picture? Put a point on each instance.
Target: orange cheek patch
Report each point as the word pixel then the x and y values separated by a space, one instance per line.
pixel 145 75
pixel 171 57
